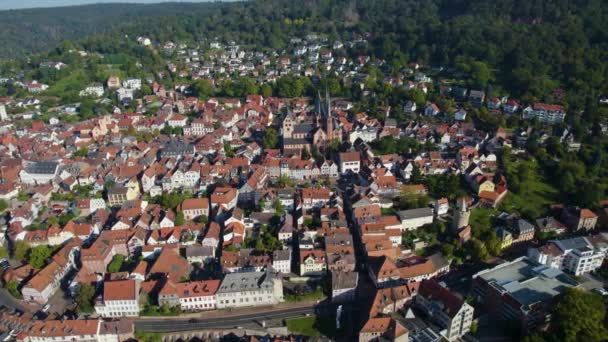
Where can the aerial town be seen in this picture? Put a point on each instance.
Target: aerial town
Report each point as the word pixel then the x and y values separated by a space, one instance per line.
pixel 252 198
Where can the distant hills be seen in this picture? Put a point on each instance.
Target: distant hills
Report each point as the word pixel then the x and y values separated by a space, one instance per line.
pixel 37 30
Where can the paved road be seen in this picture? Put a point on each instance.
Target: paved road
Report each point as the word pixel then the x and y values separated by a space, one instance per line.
pixel 8 301
pixel 163 325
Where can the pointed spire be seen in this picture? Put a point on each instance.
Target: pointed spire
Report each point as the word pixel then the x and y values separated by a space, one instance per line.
pixel 318 103
pixel 328 99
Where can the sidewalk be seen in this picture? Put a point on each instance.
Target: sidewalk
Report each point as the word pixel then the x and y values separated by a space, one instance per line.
pixel 231 313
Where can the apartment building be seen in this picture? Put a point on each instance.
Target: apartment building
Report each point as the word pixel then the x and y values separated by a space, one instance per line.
pixel 577 255
pixel 120 298
pixel 249 289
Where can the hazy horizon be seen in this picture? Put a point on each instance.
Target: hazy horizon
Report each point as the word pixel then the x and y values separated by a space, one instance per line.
pixel 23 4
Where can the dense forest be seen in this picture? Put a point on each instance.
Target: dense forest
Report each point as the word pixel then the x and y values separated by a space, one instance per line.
pixel 38 30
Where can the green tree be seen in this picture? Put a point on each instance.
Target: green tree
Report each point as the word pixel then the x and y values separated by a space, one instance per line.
pixel 20 250
pixel 278 206
pixel 84 299
pixel 270 139
pixel 479 251
pixel 202 219
pixel 203 89
pixel 13 288
pixel 39 255
pixel 3 205
pixel 266 90
pixel 180 220
pixel 480 74
pixel 3 252
pixel 579 316
pixel 116 264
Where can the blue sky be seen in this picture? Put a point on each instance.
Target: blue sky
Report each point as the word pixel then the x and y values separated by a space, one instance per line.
pixel 18 4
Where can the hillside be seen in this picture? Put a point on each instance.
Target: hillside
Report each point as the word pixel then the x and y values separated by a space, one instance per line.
pixel 37 30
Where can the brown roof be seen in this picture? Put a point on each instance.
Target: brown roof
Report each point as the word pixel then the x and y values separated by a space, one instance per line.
pixel 377 325
pixel 349 156
pixel 432 291
pixel 194 203
pixel 586 213
pixel 120 290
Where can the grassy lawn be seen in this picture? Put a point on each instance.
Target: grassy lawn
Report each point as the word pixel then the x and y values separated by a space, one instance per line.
pixel 75 82
pixel 535 195
pixel 312 326
pixel 314 295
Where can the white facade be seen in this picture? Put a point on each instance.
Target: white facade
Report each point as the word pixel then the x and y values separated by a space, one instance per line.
pixel 576 255
pixel 454 326
pixel 353 166
pixel 249 289
pixel 117 308
pixel 94 90
pixel 132 83
pixel 198 303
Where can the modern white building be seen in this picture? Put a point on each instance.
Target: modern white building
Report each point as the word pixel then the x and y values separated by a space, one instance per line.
pixel 547 113
pixel 577 255
pixel 93 90
pixel 120 298
pixel 249 289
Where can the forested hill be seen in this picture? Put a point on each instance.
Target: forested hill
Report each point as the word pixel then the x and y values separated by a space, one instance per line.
pixel 532 49
pixel 36 30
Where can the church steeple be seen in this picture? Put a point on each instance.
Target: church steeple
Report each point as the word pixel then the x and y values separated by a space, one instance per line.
pixel 328 100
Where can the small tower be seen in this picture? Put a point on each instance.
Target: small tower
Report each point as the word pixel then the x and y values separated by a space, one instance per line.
pixel 461 214
pixel 3 115
pixel 288 125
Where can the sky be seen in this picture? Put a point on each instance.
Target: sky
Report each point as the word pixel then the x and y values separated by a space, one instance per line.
pixel 19 4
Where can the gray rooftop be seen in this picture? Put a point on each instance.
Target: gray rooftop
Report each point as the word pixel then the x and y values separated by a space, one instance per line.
pixel 527 281
pixel 284 254
pixel 44 167
pixel 415 213
pixel 247 281
pixel 344 280
pixel 194 251
pixel 573 243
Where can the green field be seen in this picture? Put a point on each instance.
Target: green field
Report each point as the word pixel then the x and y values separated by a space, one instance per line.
pixel 312 326
pixel 303 326
pixel 75 82
pixel 535 193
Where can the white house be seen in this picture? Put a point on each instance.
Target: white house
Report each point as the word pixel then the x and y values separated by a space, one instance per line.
pixel 120 298
pixel 93 90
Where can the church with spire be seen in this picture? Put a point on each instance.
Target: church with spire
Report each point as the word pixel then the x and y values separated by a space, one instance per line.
pixel 319 129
